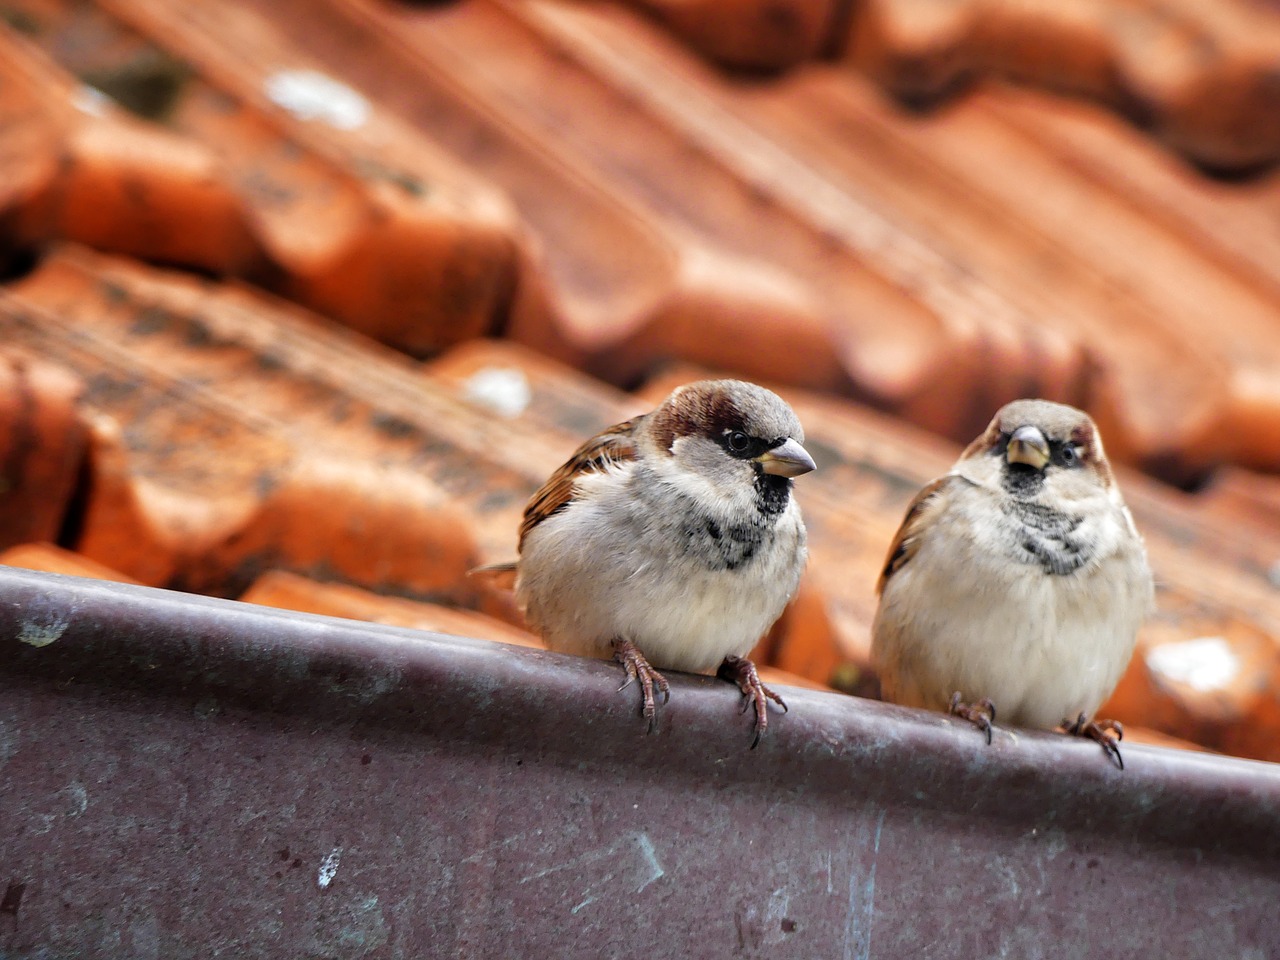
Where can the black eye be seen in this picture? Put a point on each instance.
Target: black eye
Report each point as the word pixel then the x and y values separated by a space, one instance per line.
pixel 1069 456
pixel 739 441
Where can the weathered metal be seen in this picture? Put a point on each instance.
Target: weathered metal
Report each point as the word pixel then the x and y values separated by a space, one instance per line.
pixel 188 777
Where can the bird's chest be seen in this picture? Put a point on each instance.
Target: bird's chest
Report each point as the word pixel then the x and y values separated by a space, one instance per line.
pixel 1042 579
pixel 742 534
pixel 1054 541
pixel 718 544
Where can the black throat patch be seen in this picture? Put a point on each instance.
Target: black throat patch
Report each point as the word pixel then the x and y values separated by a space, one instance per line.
pixel 1021 481
pixel 773 493
pixel 729 546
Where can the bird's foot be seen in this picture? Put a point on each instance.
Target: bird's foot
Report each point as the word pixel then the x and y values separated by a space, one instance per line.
pixel 637 667
pixel 1101 732
pixel 742 671
pixel 981 713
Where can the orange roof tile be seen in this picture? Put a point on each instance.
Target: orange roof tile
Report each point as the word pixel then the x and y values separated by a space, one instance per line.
pixel 352 213
pixel 288 591
pixel 1196 74
pixel 54 559
pixel 42 446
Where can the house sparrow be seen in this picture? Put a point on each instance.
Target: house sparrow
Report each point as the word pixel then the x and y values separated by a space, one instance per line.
pixel 672 540
pixel 1018 579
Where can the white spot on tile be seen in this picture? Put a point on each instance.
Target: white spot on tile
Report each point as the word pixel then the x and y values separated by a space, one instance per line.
pixel 42 631
pixel 329 868
pixel 504 390
pixel 1273 574
pixel 1204 664
pixel 90 100
pixel 311 95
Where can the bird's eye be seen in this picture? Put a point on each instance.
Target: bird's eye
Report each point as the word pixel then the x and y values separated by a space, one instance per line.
pixel 1070 455
pixel 739 441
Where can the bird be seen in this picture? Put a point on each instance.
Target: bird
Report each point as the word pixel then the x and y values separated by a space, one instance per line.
pixel 671 541
pixel 1017 580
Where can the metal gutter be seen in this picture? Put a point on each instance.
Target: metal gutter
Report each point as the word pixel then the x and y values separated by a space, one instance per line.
pixel 189 777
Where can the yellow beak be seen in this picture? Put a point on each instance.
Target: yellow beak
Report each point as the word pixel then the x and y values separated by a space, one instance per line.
pixel 1028 445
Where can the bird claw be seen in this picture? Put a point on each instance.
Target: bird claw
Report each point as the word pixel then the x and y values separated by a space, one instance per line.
pixel 742 671
pixel 637 667
pixel 981 713
pixel 1099 731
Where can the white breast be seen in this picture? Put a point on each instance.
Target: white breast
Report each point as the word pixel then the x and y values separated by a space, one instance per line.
pixel 598 572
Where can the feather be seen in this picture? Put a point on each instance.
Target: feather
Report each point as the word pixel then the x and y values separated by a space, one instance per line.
pixel 612 446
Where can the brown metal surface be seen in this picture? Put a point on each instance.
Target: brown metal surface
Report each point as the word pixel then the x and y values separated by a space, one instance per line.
pixel 188 777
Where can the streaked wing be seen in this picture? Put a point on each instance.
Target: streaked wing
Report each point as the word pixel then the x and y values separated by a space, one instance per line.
pixel 927 502
pixel 613 445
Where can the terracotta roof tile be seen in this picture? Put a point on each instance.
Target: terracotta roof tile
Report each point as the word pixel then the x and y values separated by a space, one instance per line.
pixel 42 446
pixel 1245 500
pixel 203 468
pixel 354 215
pixel 703 260
pixel 1197 74
pixel 54 559
pixel 289 591
pixel 78 167
pixel 762 34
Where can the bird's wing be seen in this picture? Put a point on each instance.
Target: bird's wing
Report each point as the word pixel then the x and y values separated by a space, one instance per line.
pixel 923 508
pixel 614 445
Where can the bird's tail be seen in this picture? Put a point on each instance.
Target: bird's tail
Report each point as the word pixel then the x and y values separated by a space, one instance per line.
pixel 501 575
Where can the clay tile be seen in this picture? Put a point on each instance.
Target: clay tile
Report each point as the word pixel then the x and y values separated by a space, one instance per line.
pixel 87 171
pixel 531 392
pixel 725 247
pixel 1199 75
pixel 42 447
pixel 358 217
pixel 192 482
pixel 1204 674
pixel 54 559
pixel 918 331
pixel 288 591
pixel 760 34
pixel 1244 500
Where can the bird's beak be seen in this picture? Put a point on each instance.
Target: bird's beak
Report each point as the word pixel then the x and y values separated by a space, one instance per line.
pixel 786 460
pixel 1028 445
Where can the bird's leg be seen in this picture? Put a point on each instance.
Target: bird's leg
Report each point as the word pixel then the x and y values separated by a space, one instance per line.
pixel 1101 732
pixel 981 713
pixel 637 667
pixel 742 671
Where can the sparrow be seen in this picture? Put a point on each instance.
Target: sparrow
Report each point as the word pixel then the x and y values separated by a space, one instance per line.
pixel 671 541
pixel 1018 580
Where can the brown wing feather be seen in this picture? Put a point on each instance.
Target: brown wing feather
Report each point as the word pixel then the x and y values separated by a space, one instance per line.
pixel 615 444
pixel 907 541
